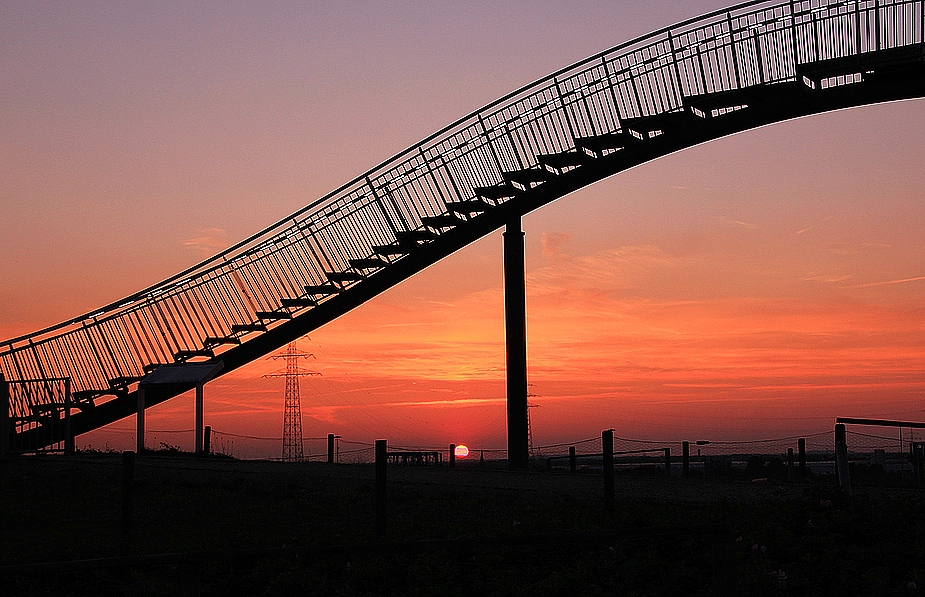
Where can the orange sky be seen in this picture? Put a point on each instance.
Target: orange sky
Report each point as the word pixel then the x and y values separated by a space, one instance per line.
pixel 756 286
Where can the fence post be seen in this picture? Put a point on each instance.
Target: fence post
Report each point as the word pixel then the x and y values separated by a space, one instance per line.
pixel 452 455
pixel 207 440
pixel 128 491
pixel 668 461
pixel 801 445
pixel 790 465
pixel 5 427
pixel 572 460
pixel 841 457
pixel 330 448
pixel 382 456
pixel 607 452
pixel 685 459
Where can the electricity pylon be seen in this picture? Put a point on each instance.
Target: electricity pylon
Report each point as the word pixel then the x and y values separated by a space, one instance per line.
pixel 292 413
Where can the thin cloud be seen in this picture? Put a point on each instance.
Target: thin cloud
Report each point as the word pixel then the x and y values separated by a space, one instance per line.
pixel 888 282
pixel 740 223
pixel 553 243
pixel 209 241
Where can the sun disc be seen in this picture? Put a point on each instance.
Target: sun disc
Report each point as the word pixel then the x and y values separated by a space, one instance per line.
pixel 461 451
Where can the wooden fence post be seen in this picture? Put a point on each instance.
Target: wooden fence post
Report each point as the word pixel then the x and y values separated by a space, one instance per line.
pixel 607 452
pixel 382 456
pixel 330 448
pixel 790 465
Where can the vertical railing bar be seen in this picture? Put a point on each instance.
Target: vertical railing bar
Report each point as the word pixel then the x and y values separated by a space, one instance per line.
pixel 433 177
pixel 491 147
pixel 100 330
pixel 564 108
pixel 793 38
pixel 877 23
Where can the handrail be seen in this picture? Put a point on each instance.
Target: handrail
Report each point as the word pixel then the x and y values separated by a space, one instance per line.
pixel 472 115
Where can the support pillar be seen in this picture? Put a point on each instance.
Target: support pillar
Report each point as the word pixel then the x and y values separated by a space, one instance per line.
pixel 140 422
pixel 198 440
pixel 330 448
pixel 515 320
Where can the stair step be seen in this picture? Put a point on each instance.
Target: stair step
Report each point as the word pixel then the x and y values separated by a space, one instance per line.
pixel 369 263
pixel 710 105
pixel 322 289
pixel 273 315
pixel 441 221
pixel 557 162
pixel 151 367
pixel 389 250
pixel 651 126
pixel 299 302
pixel 344 276
pixel 211 341
pixel 248 327
pixel 879 61
pixel 121 382
pixel 185 355
pixel 527 179
pixel 498 191
pixel 473 206
pixel 84 398
pixel 415 236
pixel 599 144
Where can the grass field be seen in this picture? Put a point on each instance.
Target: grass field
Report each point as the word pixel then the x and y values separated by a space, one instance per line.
pixel 502 533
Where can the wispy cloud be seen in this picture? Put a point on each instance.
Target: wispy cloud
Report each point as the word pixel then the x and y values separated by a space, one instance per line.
pixel 828 279
pixel 888 282
pixel 209 241
pixel 740 223
pixel 553 243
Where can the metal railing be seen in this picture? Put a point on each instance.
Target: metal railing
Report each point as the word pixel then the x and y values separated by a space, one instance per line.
pixel 344 238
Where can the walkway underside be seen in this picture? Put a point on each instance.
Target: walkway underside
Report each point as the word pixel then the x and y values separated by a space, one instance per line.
pixel 477 182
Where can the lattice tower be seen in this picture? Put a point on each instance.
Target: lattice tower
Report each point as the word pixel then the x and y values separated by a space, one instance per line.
pixel 292 412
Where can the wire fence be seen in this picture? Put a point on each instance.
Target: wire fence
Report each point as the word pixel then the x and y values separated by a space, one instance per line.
pixel 888 451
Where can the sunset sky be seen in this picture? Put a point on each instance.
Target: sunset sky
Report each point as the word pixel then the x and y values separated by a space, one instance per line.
pixel 756 286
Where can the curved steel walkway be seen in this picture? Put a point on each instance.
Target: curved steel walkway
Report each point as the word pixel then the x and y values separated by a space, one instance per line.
pixel 728 71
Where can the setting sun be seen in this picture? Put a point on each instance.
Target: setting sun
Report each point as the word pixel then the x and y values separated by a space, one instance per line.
pixel 461 451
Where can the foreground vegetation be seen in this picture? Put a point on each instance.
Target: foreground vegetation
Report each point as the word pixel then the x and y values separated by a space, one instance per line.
pixel 777 539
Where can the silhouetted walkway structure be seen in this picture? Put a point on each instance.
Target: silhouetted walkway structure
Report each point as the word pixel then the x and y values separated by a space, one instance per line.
pixel 725 72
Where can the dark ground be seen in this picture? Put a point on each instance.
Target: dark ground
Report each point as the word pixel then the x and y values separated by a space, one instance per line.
pixel 522 531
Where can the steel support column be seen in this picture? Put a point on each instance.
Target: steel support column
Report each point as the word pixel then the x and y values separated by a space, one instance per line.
pixel 515 319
